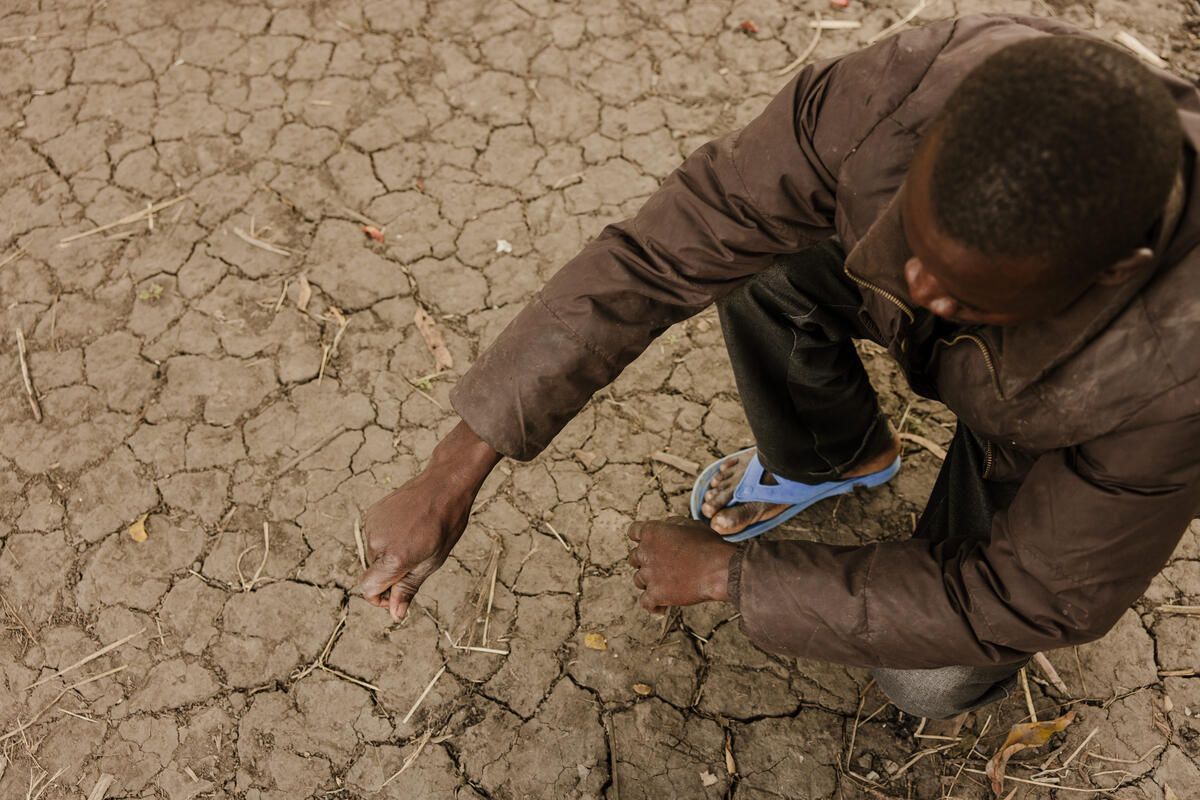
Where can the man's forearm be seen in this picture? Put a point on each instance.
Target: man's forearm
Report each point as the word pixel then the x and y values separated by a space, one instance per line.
pixel 464 459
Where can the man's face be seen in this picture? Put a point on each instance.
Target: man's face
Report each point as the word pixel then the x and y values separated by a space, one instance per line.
pixel 960 284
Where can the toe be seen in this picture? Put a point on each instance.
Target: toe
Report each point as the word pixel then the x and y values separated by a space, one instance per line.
pixel 735 518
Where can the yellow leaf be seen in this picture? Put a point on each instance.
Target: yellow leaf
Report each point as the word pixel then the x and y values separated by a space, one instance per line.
pixel 643 689
pixel 595 641
pixel 1028 734
pixel 137 531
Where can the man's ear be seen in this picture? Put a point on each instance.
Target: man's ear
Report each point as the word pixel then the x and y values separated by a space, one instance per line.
pixel 1129 266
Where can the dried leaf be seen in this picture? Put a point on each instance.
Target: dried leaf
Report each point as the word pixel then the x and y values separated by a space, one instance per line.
pixel 1169 793
pixel 305 294
pixel 644 689
pixel 730 764
pixel 373 232
pixel 595 641
pixel 442 359
pixel 748 26
pixel 707 779
pixel 1028 734
pixel 503 246
pixel 137 531
pixel 586 457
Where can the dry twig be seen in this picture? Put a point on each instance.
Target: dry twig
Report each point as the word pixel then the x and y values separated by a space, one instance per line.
pixel 20 251
pixel 420 699
pixel 1024 676
pixel 681 464
pixel 135 217
pixel 254 241
pixel 358 544
pixel 612 755
pixel 1051 673
pixel 86 659
pixel 306 453
pixel 248 585
pixel 23 726
pixel 928 444
pixel 33 403
pixel 424 740
pixel 808 51
pixel 900 23
pixel 1130 42
pixel 558 536
pixel 101 787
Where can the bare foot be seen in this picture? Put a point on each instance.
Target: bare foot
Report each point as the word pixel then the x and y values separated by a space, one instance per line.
pixel 728 519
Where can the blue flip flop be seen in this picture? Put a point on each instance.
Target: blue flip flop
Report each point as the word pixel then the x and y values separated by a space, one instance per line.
pixel 799 495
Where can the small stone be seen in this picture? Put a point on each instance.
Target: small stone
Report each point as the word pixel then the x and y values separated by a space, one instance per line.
pixel 644 689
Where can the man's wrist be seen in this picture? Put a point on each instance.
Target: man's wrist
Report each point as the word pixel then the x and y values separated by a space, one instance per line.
pixel 463 458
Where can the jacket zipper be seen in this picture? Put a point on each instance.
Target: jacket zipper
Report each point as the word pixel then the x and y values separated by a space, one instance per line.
pixel 883 292
pixel 987 357
pixel 987 458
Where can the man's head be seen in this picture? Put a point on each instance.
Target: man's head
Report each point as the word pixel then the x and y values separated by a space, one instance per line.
pixel 1044 173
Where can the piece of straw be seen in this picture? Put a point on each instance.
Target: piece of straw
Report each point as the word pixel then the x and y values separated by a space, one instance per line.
pixel 358 544
pixel 1028 696
pixel 808 51
pixel 487 617
pixel 310 451
pixel 428 689
pixel 101 788
pixel 558 536
pixel 928 444
pixel 12 257
pixel 681 464
pixel 900 23
pixel 17 617
pixel 60 696
pixel 136 217
pixel 86 659
pixel 33 403
pixel 1082 744
pixel 1051 673
pixel 424 740
pixel 1130 42
pixel 259 243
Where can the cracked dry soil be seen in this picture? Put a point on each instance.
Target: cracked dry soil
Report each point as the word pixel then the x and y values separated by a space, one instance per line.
pixel 182 383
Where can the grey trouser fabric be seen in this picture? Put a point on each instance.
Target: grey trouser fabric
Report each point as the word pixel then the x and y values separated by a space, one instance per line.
pixel 809 402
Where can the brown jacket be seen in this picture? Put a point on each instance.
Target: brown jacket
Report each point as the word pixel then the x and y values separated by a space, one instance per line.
pixel 1096 412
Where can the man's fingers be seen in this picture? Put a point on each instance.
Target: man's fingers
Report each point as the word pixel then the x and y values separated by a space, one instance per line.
pixel 379 577
pixel 675 519
pixel 635 531
pixel 638 581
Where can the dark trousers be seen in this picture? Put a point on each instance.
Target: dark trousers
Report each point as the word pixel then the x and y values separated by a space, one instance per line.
pixel 790 334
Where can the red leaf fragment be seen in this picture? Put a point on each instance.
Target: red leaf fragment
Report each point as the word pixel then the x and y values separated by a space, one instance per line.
pixel 839 3
pixel 749 27
pixel 373 232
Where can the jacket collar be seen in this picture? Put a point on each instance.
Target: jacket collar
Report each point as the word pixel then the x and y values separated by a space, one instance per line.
pixel 1023 353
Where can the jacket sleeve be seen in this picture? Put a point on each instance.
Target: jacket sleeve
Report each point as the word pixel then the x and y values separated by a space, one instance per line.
pixel 730 208
pixel 1087 531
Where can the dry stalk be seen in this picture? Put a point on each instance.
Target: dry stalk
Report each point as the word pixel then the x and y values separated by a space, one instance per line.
pixel 836 24
pixel 424 740
pixel 424 694
pixel 612 755
pixel 135 217
pixel 354 215
pixel 101 788
pixel 1067 761
pixel 808 51
pixel 1171 608
pixel 682 464
pixel 306 453
pixel 1044 784
pixel 20 251
pixel 32 395
pixel 41 783
pixel 928 444
pixel 254 241
pixel 487 616
pixel 1051 673
pixel 558 536
pixel 248 585
pixel 898 24
pixel 86 659
pixel 22 727
pixel 320 662
pixel 1024 677
pixel 13 612
pixel 1129 41
pixel 358 544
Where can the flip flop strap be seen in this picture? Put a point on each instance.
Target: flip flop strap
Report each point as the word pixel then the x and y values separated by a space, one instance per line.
pixel 751 489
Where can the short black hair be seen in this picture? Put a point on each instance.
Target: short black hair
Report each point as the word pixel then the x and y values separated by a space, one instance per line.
pixel 1060 147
